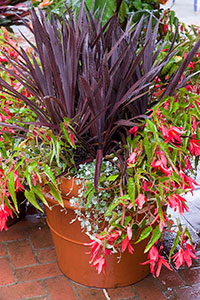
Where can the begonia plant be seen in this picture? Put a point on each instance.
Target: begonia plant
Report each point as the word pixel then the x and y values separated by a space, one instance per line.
pixel 159 174
pixel 10 108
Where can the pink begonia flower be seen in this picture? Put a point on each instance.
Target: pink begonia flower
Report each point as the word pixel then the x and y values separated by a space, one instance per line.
pixel 184 256
pixel 71 138
pixel 194 124
pixel 35 178
pixel 70 134
pixel 156 260
pixel 165 28
pixel 140 200
pixel 100 264
pixel 5 212
pixel 98 250
pixel 132 157
pixel 178 201
pixel 188 182
pixel 129 232
pixel 194 147
pixel 145 186
pixel 134 130
pixel 172 134
pixel 191 65
pixel 188 165
pixel 161 164
pixel 18 185
pixel 126 243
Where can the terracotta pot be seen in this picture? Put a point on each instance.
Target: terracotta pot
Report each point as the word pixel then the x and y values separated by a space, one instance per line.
pixel 22 210
pixel 71 250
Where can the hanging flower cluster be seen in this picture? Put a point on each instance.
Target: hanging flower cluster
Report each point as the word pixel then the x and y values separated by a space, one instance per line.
pixel 10 184
pixel 10 177
pixel 159 171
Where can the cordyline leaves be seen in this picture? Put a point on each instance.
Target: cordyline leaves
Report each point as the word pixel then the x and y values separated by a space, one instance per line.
pixel 96 75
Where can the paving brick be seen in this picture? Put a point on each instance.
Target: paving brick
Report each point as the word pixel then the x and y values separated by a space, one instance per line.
pixel 147 289
pixel 22 290
pixel 190 276
pixel 60 288
pixel 169 279
pixel 21 253
pixel 91 294
pixel 188 293
pixel 38 298
pixel 37 272
pixel 13 233
pixel 41 237
pixel 6 274
pixel 46 255
pixel 31 221
pixel 3 250
pixel 120 293
pixel 170 294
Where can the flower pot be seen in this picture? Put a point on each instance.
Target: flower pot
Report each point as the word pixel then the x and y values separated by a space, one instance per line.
pixel 22 210
pixel 71 251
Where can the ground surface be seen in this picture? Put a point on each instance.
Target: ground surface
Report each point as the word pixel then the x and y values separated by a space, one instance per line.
pixel 28 268
pixel 185 10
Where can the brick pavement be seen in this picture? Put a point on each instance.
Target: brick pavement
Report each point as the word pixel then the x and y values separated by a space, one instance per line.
pixel 28 270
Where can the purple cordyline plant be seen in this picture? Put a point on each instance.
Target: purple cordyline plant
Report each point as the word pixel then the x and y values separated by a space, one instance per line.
pixel 97 76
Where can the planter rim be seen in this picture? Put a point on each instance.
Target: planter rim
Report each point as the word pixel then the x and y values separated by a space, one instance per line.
pixel 68 205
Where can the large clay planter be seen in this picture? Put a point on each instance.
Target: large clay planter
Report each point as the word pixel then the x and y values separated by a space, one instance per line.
pixel 71 251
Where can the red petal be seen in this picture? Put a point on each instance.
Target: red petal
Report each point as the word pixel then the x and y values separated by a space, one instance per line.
pixel 129 232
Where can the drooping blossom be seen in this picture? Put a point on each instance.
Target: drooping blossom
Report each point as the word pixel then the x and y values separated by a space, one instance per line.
pixel 161 164
pixel 194 147
pixel 134 130
pixel 126 242
pixel 172 134
pixel 35 178
pixel 184 256
pixel 188 164
pixel 18 185
pixel 70 134
pixel 145 186
pixel 5 212
pixel 71 138
pixel 135 155
pixel 194 124
pixel 177 201
pixel 100 264
pixel 99 250
pixel 165 28
pixel 132 157
pixel 156 261
pixel 191 65
pixel 140 200
pixel 129 232
pixel 188 182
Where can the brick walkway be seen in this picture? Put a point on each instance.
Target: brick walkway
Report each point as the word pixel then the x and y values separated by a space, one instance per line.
pixel 28 269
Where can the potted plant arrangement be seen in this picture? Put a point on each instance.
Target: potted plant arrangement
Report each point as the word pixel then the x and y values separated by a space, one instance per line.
pixel 108 151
